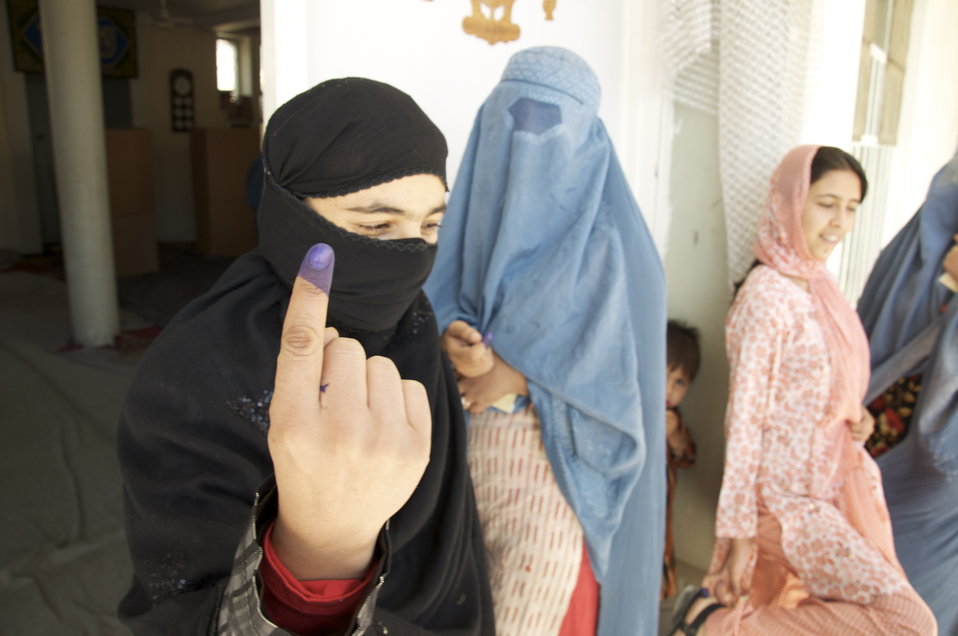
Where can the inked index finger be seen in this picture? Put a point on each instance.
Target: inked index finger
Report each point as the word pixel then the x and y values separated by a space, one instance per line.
pixel 299 367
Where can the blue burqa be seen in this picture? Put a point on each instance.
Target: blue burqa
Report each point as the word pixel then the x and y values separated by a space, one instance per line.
pixel 909 332
pixel 544 246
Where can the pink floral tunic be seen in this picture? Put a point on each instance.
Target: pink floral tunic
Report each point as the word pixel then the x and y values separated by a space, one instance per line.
pixel 786 449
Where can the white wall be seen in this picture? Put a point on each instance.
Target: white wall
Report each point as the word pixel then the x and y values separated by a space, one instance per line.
pixel 160 51
pixel 696 270
pixel 420 47
pixel 928 132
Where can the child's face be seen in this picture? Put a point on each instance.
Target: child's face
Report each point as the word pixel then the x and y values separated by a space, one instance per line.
pixel 677 383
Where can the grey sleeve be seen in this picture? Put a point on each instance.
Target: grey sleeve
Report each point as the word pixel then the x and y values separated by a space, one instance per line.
pixel 241 610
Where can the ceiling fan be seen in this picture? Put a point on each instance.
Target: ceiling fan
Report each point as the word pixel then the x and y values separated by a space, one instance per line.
pixel 168 21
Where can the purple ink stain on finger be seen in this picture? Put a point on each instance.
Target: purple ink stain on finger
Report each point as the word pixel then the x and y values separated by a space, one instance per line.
pixel 317 266
pixel 323 387
pixel 487 339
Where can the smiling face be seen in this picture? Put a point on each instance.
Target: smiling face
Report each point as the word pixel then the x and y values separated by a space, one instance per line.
pixel 410 207
pixel 829 212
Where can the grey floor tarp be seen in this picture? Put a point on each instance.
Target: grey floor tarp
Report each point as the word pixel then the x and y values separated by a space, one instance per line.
pixel 63 558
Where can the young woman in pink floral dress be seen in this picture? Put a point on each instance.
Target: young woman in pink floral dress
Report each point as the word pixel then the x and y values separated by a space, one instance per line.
pixel 804 542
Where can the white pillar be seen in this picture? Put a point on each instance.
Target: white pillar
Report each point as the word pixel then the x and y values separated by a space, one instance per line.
pixel 72 61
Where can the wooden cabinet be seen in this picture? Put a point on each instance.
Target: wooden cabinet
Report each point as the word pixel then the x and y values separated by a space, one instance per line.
pixel 129 165
pixel 225 223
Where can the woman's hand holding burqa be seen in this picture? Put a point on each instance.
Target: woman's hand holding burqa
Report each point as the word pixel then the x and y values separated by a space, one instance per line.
pixel 348 437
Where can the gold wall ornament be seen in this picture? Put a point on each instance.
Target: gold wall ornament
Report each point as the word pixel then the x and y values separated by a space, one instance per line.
pixel 549 6
pixel 484 24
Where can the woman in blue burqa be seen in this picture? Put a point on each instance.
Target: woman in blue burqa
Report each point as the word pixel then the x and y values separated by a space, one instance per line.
pixel 911 317
pixel 551 296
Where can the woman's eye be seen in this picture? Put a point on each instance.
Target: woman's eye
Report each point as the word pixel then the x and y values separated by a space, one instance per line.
pixel 432 227
pixel 375 229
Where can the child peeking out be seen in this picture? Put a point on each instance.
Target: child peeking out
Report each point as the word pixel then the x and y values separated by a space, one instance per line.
pixel 682 357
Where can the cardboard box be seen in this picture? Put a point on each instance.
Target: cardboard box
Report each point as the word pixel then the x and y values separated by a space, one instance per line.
pixel 129 162
pixel 225 223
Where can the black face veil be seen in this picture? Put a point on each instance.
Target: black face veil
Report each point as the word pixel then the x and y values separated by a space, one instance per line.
pixel 192 438
pixel 337 138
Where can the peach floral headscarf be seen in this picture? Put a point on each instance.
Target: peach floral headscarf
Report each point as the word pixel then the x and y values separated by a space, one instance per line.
pixel 781 244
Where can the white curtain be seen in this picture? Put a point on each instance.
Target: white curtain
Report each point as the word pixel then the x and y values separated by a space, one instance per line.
pixel 749 62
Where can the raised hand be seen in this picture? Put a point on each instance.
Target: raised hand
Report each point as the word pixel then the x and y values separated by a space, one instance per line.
pixel 470 354
pixel 950 264
pixel 671 422
pixel 481 392
pixel 348 437
pixel 730 582
pixel 863 428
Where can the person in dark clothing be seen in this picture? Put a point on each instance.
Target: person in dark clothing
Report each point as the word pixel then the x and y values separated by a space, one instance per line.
pixel 276 480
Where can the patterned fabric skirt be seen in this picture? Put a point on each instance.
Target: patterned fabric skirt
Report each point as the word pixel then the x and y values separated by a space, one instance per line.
pixel 780 605
pixel 533 540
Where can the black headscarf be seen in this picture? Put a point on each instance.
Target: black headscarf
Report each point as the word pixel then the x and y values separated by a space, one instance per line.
pixel 192 439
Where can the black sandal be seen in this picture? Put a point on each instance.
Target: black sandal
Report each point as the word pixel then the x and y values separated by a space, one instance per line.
pixel 683 603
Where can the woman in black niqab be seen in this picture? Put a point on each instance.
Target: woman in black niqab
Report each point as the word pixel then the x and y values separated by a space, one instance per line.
pixel 192 438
